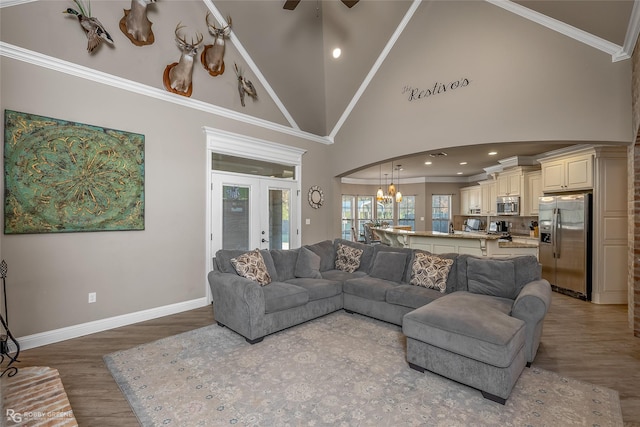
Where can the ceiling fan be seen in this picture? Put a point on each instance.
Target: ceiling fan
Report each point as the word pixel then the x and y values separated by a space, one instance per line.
pixel 291 4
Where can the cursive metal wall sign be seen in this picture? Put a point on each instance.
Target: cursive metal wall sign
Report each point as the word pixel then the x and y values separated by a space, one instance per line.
pixel 416 93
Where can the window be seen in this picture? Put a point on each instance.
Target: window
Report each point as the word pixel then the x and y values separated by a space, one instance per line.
pixel 360 210
pixel 384 211
pixel 440 212
pixel 407 211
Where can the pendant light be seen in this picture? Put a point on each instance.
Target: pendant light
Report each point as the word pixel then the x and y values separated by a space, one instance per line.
pixel 398 193
pixel 380 193
pixel 392 188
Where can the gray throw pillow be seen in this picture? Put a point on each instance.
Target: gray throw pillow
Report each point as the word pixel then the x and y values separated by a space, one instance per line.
pixel 389 266
pixel 308 264
pixel 491 277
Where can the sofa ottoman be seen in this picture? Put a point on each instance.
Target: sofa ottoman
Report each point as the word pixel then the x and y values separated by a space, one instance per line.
pixel 469 338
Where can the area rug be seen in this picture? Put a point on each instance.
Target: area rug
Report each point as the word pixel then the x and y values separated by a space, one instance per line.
pixel 340 370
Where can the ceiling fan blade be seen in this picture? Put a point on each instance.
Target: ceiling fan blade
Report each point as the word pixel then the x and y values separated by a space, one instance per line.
pixel 350 3
pixel 290 4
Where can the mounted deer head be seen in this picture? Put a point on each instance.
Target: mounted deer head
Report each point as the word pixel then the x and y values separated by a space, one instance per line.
pixel 135 24
pixel 213 54
pixel 177 78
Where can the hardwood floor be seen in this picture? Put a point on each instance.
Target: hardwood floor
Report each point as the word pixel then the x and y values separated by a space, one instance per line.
pixel 584 341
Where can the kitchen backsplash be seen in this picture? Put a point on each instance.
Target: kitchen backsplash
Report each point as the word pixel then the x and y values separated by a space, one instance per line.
pixel 518 225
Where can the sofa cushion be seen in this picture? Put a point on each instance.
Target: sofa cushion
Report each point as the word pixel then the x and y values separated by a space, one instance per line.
pixel 251 266
pixel 368 287
pixel 307 264
pixel 406 275
pixel 389 265
pixel 452 279
pixel 327 253
pixel 318 288
pixel 341 276
pixel 284 261
pixel 348 258
pixel 430 271
pixel 475 326
pixel 280 296
pixel 367 252
pixel 527 269
pixel 491 277
pixel 412 296
pixel 223 261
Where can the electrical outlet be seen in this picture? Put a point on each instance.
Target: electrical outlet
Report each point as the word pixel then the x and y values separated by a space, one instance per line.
pixel 92 297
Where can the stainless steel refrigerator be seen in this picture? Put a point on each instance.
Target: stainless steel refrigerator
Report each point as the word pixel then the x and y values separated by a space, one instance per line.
pixel 565 243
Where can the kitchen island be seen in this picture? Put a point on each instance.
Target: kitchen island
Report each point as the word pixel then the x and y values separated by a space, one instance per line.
pixel 460 242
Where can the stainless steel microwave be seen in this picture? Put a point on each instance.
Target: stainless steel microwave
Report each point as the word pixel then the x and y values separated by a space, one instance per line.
pixel 508 205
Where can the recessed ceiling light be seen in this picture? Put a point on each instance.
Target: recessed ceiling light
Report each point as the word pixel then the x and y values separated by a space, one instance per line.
pixel 459 173
pixel 463 163
pixel 493 153
pixel 428 163
pixel 336 52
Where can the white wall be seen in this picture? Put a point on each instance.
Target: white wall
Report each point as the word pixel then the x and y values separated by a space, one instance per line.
pixel 51 274
pixel 527 83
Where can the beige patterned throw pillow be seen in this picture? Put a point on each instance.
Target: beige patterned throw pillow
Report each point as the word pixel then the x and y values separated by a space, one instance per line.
pixel 348 258
pixel 430 271
pixel 251 266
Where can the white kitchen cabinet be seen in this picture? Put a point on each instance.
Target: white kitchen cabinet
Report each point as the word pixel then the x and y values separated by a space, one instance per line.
pixel 470 200
pixel 533 184
pixel 568 173
pixel 510 183
pixel 489 194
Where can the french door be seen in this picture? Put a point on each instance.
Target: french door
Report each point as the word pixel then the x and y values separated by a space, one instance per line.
pixel 251 212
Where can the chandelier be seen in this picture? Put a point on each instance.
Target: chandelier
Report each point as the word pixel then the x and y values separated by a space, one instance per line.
pixel 392 192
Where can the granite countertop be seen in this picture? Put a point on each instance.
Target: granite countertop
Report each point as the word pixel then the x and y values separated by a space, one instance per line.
pixel 522 241
pixel 455 235
pixel 517 245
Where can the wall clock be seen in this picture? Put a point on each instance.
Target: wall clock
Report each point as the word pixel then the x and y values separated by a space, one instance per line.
pixel 316 197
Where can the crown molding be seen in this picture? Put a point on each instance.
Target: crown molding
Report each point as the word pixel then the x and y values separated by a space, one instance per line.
pixel 617 53
pixel 416 180
pixel 9 3
pixel 234 144
pixel 35 58
pixel 633 30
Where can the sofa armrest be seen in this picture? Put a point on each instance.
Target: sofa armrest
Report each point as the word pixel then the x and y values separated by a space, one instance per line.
pixel 533 301
pixel 237 302
pixel 530 306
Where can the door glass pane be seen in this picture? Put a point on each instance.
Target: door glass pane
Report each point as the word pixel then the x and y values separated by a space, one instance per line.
pixel 235 217
pixel 365 212
pixel 348 225
pixel 279 210
pixel 227 163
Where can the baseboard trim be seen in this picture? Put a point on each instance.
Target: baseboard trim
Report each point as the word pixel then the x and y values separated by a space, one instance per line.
pixel 75 331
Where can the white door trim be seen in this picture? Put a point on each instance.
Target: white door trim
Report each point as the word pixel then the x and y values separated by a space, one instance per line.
pixel 223 142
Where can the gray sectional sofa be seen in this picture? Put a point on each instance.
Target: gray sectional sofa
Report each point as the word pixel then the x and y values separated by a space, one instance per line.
pixel 487 320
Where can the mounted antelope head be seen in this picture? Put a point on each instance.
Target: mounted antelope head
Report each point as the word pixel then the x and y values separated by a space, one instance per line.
pixel 213 54
pixel 135 24
pixel 177 77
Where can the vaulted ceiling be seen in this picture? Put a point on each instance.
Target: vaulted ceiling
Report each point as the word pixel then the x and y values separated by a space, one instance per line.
pixel 286 53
